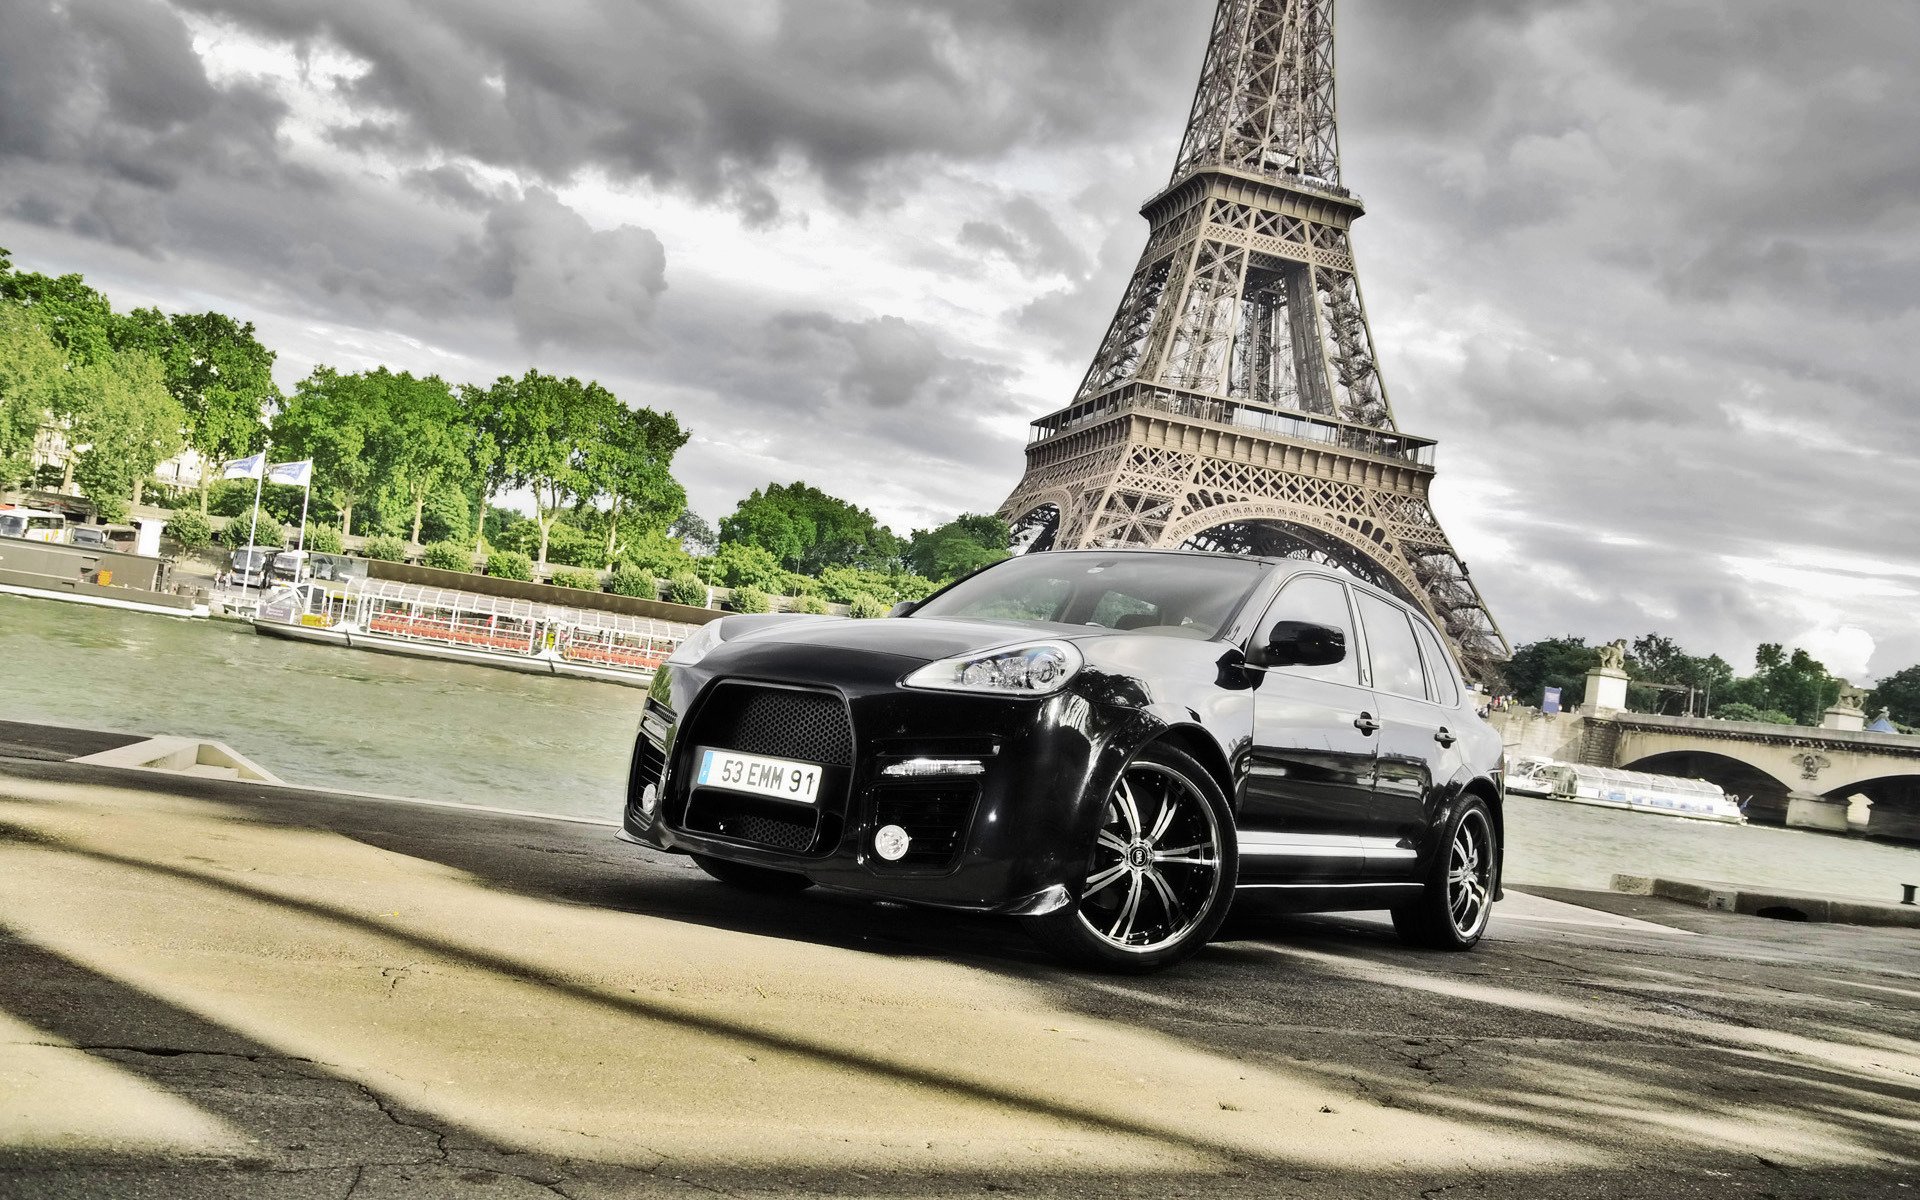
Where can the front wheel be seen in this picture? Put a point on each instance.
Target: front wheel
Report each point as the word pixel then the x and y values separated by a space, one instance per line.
pixel 1457 901
pixel 764 880
pixel 1160 872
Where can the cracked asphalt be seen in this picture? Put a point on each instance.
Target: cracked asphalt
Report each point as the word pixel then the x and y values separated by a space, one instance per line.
pixel 213 989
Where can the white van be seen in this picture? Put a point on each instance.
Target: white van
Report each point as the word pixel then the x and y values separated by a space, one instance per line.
pixel 33 524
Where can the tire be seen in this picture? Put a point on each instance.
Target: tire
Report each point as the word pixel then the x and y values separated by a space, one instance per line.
pixel 1457 901
pixel 764 880
pixel 1166 853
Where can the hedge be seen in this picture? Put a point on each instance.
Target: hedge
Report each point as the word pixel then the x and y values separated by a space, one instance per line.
pixel 510 564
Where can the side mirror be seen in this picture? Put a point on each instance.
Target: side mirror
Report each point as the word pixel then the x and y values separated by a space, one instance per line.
pixel 902 609
pixel 1302 644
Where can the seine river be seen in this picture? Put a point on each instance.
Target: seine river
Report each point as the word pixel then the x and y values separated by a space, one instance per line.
pixel 446 731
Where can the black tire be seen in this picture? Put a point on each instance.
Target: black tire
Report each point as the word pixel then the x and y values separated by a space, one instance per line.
pixel 1457 902
pixel 1179 863
pixel 765 880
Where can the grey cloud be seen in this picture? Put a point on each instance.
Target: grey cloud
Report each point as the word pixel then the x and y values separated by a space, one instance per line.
pixel 565 281
pixel 1027 236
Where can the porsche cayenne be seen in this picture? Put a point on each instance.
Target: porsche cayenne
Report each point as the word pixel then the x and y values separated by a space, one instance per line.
pixel 1109 745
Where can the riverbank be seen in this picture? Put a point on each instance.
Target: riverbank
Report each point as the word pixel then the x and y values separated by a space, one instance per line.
pixel 212 988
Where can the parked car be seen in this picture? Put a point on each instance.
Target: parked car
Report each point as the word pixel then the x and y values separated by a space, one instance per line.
pixel 1107 744
pixel 286 566
pixel 248 567
pixel 33 524
pixel 89 535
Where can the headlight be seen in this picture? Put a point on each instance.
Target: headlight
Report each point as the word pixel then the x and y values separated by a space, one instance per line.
pixel 1035 669
pixel 697 645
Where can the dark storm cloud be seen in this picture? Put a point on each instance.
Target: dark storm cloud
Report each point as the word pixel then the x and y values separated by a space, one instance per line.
pixel 709 97
pixel 565 281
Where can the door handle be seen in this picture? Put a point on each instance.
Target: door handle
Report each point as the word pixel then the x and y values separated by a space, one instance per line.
pixel 1445 738
pixel 1366 724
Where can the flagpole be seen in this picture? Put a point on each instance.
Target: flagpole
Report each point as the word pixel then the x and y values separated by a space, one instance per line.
pixel 304 497
pixel 253 526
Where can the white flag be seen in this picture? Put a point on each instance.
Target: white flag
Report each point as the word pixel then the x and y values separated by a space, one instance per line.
pixel 245 468
pixel 297 474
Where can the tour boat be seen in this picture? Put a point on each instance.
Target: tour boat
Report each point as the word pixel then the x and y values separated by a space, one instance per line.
pixel 1636 791
pixel 494 631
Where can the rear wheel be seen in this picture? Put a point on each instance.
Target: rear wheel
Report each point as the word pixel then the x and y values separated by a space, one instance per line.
pixel 1457 901
pixel 1160 872
pixel 764 880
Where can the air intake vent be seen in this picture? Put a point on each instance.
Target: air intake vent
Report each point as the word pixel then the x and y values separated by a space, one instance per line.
pixel 936 819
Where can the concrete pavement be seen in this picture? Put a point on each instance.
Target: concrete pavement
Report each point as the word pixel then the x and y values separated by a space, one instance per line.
pixel 211 988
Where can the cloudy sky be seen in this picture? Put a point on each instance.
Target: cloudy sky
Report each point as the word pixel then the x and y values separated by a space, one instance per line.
pixel 1648 270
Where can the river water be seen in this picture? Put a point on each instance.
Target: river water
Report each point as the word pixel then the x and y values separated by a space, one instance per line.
pixel 351 719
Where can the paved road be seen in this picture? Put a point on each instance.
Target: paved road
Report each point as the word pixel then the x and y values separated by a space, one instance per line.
pixel 217 989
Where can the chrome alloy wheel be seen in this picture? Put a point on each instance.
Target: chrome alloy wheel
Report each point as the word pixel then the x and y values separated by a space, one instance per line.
pixel 1156 862
pixel 1470 875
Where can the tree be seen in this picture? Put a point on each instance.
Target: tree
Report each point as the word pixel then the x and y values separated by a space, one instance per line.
pixel 340 422
pixel 694 532
pixel 221 375
pixel 1654 658
pixel 1899 694
pixel 630 463
pixel 1561 662
pixel 542 427
pixel 33 383
pixel 960 547
pixel 808 530
pixel 78 319
pixel 1793 682
pixel 122 422
pixel 428 440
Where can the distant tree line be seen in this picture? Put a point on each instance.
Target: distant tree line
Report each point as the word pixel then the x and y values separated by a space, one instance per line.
pixel 416 457
pixel 1785 687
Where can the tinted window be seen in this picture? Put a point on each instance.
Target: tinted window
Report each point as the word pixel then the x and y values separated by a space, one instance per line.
pixel 1396 657
pixel 1439 666
pixel 1188 595
pixel 1322 601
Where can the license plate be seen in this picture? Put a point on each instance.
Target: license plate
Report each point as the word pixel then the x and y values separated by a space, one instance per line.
pixel 758 775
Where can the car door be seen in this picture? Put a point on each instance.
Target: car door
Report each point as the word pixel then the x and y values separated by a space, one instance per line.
pixel 1310 774
pixel 1413 737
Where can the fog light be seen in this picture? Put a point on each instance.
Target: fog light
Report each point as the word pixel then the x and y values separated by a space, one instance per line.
pixel 914 768
pixel 649 797
pixel 891 843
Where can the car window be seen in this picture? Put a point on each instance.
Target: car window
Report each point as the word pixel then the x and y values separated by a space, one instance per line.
pixel 1322 601
pixel 1446 687
pixel 1187 595
pixel 1395 655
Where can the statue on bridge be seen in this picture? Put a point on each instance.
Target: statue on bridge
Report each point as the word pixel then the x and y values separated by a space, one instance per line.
pixel 1613 655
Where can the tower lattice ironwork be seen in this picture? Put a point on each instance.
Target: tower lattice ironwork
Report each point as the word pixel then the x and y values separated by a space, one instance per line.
pixel 1235 403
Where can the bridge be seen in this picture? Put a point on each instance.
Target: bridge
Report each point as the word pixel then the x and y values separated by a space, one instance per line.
pixel 1786 774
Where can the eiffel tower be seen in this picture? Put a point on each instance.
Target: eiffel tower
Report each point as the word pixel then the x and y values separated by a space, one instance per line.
pixel 1234 403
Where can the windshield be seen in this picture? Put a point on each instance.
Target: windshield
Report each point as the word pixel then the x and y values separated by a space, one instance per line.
pixel 1189 595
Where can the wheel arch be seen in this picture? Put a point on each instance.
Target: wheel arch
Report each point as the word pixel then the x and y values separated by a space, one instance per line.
pixel 1489 795
pixel 1196 743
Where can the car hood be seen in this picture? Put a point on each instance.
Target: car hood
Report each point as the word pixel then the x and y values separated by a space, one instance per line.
pixel 923 638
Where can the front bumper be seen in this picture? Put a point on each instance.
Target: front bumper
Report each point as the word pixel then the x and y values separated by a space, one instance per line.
pixel 1009 839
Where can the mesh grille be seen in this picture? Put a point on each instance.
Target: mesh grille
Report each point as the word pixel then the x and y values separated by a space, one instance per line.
pixel 807 726
pixel 647 766
pixel 935 820
pixel 749 819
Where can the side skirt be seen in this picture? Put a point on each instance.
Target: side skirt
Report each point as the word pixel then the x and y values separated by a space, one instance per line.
pixel 1325 897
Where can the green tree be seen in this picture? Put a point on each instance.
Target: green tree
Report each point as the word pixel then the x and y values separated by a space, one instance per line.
pixel 122 423
pixel 34 382
pixel 330 418
pixel 694 532
pixel 960 547
pixel 221 375
pixel 808 530
pixel 1561 662
pixel 1690 682
pixel 543 428
pixel 324 539
pixel 428 440
pixel 1792 682
pixel 629 461
pixel 189 530
pixel 267 533
pixel 1899 694
pixel 78 319
pixel 736 564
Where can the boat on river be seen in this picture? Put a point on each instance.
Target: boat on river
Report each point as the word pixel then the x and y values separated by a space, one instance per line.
pixel 494 631
pixel 1636 791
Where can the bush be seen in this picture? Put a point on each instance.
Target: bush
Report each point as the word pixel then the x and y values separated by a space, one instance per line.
pixel 633 581
pixel 510 564
pixel 792 583
pixel 268 533
pixel 190 530
pixel 749 600
pixel 580 581
pixel 810 604
pixel 323 539
pixel 687 589
pixel 448 556
pixel 386 549
pixel 866 608
pixel 736 564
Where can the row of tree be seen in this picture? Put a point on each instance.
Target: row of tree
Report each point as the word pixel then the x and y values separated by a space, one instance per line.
pixel 402 455
pixel 1787 687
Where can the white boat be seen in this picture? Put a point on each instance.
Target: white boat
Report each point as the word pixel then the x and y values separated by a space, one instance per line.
pixel 1635 791
pixel 493 631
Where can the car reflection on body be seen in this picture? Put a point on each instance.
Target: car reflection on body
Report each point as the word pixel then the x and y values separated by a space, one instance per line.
pixel 1106 744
